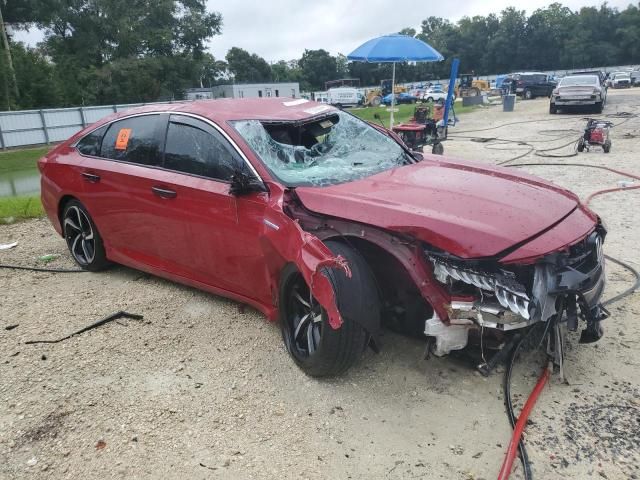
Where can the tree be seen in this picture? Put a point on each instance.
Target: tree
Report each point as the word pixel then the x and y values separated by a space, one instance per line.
pixel 317 67
pixel 247 67
pixel 94 48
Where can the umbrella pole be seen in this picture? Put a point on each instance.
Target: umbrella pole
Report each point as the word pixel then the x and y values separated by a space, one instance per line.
pixel 393 95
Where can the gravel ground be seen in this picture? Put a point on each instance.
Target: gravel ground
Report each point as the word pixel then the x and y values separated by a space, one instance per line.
pixel 202 388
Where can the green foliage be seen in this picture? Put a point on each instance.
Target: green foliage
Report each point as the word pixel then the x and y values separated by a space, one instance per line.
pixel 24 159
pixel 19 208
pixel 247 67
pixel 108 51
pixel 317 67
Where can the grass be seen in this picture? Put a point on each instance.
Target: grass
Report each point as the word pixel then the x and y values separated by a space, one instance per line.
pixel 23 159
pixel 404 113
pixel 20 208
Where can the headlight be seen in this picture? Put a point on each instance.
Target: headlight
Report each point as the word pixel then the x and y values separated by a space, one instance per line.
pixel 507 290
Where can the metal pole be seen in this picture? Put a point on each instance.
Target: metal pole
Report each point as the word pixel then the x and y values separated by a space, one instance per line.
pixel 83 118
pixel 5 40
pixel 44 127
pixel 2 142
pixel 393 95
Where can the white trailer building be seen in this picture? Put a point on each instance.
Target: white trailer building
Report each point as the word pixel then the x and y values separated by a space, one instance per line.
pixel 246 90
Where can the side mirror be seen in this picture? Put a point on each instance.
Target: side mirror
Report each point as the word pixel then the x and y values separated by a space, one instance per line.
pixel 243 184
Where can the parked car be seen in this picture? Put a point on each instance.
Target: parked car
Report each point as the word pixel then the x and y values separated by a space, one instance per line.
pixel 529 84
pixel 579 90
pixel 400 98
pixel 432 95
pixel 602 76
pixel 620 80
pixel 325 222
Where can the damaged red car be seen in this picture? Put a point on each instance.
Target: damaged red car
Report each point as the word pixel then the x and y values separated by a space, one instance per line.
pixel 326 223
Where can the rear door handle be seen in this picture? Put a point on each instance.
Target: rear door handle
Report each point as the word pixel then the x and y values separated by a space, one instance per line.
pixel 163 192
pixel 91 177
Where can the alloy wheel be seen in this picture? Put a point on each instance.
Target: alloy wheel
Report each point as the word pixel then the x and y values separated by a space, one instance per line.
pixel 79 235
pixel 305 318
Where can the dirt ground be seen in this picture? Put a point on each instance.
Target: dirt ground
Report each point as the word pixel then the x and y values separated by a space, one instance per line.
pixel 202 389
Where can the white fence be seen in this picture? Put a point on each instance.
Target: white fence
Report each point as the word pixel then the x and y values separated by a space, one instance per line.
pixel 34 127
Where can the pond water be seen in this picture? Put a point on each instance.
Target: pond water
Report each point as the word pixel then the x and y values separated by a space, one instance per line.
pixel 20 183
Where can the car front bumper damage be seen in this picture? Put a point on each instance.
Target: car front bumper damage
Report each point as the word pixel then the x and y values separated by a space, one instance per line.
pixel 496 297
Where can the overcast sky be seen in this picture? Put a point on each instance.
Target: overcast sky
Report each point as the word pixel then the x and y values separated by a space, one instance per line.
pixel 282 29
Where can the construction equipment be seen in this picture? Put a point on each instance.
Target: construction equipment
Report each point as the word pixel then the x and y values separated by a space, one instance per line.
pixel 374 96
pixel 468 87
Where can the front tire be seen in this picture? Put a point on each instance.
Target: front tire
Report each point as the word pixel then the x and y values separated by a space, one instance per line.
pixel 318 349
pixel 528 94
pixel 83 239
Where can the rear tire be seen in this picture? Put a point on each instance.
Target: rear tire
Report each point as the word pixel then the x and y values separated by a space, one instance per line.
pixel 553 109
pixel 599 107
pixel 437 149
pixel 323 351
pixel 606 147
pixel 82 236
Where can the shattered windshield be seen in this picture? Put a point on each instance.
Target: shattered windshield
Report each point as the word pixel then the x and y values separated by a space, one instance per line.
pixel 336 148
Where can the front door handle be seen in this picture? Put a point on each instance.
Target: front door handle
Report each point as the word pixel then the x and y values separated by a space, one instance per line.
pixel 163 192
pixel 91 177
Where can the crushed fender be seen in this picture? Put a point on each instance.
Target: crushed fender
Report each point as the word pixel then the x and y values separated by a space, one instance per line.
pixel 284 241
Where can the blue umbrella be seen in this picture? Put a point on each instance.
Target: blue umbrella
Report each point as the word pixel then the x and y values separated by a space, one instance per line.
pixel 395 48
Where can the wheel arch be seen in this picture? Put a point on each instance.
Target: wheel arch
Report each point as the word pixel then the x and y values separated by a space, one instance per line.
pixel 403 305
pixel 61 204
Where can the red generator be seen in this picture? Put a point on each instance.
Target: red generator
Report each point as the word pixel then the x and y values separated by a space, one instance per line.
pixel 596 133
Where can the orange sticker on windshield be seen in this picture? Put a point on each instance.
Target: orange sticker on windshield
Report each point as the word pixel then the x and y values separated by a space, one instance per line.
pixel 122 140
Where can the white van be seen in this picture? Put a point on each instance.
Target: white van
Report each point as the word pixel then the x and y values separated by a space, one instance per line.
pixel 344 97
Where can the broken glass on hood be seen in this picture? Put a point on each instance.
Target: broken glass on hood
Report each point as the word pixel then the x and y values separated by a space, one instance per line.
pixel 336 148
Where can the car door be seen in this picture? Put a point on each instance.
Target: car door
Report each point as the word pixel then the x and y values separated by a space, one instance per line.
pixel 118 178
pixel 206 233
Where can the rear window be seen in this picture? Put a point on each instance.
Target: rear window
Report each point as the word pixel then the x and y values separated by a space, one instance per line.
pixel 135 140
pixel 582 80
pixel 533 78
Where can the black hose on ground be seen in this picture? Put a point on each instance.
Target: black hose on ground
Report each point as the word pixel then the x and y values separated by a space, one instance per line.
pixel 629 290
pixel 41 269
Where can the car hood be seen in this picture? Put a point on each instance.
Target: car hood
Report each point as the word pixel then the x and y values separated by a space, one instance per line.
pixel 460 207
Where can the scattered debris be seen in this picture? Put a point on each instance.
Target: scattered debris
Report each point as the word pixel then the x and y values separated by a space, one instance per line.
pixel 99 323
pixel 11 327
pixel 48 258
pixel 101 444
pixel 7 246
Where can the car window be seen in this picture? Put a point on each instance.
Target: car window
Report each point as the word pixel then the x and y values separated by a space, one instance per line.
pixel 90 144
pixel 135 140
pixel 195 147
pixel 580 80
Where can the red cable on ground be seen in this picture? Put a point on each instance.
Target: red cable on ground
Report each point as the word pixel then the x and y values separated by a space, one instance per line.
pixel 505 471
pixel 594 194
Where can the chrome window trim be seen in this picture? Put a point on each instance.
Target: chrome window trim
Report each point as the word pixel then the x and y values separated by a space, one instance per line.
pixel 226 136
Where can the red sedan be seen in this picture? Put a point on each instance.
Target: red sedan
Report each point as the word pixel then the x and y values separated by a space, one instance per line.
pixel 325 222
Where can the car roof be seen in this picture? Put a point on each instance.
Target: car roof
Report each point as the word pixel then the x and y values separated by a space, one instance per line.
pixel 227 109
